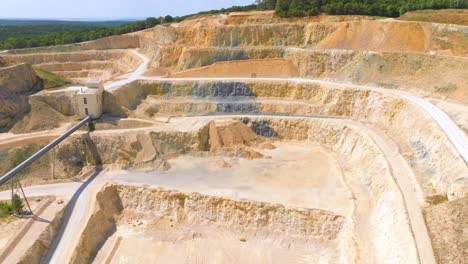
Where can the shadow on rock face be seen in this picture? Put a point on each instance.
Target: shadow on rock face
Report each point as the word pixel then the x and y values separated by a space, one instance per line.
pixel 261 127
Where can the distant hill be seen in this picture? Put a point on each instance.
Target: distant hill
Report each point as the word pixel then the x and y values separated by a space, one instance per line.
pixel 29 28
pixel 28 22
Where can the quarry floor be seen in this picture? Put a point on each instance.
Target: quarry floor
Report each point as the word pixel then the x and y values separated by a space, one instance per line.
pixel 297 175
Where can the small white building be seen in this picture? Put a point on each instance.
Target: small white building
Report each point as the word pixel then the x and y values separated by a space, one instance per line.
pixel 89 99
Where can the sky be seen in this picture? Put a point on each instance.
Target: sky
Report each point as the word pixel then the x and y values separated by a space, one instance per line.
pixel 108 9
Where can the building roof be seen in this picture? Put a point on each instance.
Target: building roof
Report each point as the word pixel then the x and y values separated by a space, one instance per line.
pixel 86 90
pixel 94 83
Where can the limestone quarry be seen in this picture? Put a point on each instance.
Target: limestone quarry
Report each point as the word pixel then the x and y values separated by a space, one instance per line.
pixel 244 138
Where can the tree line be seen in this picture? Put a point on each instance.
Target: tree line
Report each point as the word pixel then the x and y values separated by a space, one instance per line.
pixel 385 8
pixel 79 35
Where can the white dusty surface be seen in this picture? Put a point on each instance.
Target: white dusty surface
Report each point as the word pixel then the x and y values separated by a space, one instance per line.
pixel 206 245
pixel 136 74
pixel 298 174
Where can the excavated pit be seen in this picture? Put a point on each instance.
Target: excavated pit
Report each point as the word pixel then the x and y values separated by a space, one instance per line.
pixel 258 163
pixel 139 224
pixel 241 158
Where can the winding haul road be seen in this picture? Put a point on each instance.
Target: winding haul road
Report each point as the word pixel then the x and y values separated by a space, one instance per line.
pixel 133 76
pixel 80 208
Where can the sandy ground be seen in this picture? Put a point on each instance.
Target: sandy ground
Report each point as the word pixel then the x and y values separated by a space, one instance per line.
pixel 298 174
pixel 203 244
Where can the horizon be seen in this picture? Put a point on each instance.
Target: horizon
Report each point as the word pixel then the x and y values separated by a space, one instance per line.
pixel 106 10
pixel 73 19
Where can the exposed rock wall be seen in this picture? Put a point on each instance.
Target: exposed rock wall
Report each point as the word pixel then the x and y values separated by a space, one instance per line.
pixel 407 71
pixel 148 148
pixel 199 57
pixel 370 178
pixel 278 68
pixel 85 64
pixel 16 83
pixel 47 111
pixel 100 226
pixel 425 145
pixel 261 219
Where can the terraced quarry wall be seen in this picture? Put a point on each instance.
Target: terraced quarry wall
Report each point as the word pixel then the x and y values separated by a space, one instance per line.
pixel 358 51
pixel 160 207
pixel 351 49
pixel 384 69
pixel 82 65
pixel 430 153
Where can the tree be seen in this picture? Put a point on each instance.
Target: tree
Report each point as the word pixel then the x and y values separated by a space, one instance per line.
pixel 266 4
pixel 151 22
pixel 168 19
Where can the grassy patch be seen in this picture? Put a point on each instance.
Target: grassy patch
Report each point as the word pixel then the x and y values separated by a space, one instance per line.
pixel 51 80
pixel 437 199
pixel 5 210
pixel 447 88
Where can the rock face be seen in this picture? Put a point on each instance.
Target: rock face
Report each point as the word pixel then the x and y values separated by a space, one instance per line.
pixel 427 149
pixel 16 83
pixel 117 203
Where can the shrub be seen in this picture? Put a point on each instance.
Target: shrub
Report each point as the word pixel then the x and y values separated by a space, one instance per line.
pixel 5 209
pixel 17 204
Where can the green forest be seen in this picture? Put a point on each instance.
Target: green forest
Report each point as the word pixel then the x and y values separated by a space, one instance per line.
pixel 23 28
pixel 44 34
pixel 384 8
pixel 30 36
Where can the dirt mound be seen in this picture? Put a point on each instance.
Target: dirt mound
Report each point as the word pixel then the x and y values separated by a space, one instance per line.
pixel 379 36
pixel 230 134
